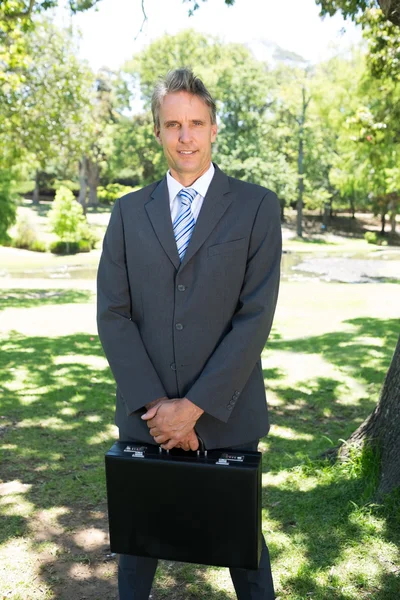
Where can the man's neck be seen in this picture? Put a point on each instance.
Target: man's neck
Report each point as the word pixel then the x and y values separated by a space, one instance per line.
pixel 187 179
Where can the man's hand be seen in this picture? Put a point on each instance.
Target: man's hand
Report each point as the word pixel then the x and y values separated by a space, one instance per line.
pixel 155 402
pixel 172 423
pixel 191 442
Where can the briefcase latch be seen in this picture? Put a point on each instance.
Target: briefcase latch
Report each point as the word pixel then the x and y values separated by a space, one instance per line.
pixel 136 451
pixel 226 459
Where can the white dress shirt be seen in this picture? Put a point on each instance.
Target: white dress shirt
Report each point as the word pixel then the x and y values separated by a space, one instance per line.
pixel 201 186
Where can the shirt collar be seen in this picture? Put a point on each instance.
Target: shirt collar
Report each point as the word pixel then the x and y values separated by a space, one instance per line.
pixel 201 184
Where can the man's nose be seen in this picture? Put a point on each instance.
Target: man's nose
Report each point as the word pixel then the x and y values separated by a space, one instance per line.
pixel 185 134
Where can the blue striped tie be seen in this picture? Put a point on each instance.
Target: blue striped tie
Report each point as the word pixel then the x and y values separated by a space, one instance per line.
pixel 184 222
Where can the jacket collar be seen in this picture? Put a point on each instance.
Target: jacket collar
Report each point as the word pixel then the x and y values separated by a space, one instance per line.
pixel 215 203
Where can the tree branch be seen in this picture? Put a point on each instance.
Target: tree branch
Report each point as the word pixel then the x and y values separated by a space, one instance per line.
pixel 22 14
pixel 144 21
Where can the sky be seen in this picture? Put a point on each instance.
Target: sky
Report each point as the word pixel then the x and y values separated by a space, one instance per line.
pixel 111 33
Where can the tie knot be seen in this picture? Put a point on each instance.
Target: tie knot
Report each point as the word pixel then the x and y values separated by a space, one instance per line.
pixel 187 195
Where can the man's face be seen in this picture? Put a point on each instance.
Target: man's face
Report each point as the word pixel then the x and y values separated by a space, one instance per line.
pixel 186 135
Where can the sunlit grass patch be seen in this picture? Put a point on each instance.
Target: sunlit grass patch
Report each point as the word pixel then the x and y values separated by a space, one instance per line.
pixel 327 540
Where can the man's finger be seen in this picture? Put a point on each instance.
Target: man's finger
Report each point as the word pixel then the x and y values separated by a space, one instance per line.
pixel 151 413
pixel 194 442
pixel 171 444
pixel 160 439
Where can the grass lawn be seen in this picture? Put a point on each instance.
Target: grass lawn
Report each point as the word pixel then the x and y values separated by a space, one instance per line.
pixel 324 365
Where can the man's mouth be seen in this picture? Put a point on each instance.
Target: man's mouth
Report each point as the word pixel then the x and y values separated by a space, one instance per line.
pixel 186 152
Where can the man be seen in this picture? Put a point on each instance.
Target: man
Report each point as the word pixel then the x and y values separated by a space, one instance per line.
pixel 187 288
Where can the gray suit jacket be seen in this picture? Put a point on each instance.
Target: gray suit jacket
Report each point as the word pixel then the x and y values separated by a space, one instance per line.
pixel 195 328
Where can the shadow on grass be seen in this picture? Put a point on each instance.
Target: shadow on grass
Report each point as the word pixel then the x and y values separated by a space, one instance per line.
pixel 327 521
pixel 312 241
pixel 28 298
pixel 57 410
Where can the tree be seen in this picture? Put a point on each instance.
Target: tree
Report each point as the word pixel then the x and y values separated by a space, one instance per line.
pixel 378 129
pixel 17 11
pixel 66 217
pixel 52 97
pixel 381 429
pixel 97 136
pixel 137 156
pixel 355 8
pixel 7 205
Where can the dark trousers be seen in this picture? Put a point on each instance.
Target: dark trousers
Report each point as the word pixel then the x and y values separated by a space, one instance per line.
pixel 136 573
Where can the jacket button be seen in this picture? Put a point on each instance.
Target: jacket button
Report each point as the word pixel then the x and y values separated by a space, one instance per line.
pixel 181 288
pixel 179 326
pixel 173 366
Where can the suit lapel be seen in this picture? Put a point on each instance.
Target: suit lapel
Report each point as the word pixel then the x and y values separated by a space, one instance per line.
pixel 159 213
pixel 214 206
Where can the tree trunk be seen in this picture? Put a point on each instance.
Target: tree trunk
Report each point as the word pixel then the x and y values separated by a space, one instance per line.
pixel 36 191
pixel 391 10
pixel 300 169
pixel 282 203
pixel 392 209
pixel 82 183
pixel 326 216
pixel 383 222
pixel 352 207
pixel 93 177
pixel 382 429
pixel 300 186
pixel 393 222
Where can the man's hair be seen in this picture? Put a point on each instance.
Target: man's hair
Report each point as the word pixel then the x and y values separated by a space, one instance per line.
pixel 181 80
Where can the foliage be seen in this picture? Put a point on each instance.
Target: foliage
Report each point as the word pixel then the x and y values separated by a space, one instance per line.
pixel 349 8
pixel 194 5
pixel 66 217
pixel 113 191
pixel 136 150
pixel 7 205
pixel 68 247
pixel 26 234
pixel 383 44
pixel 18 13
pixel 373 238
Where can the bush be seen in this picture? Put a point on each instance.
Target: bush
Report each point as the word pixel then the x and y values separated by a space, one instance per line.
pixel 38 246
pixel 61 247
pixel 373 238
pixel 66 216
pixel 26 234
pixel 8 207
pixel 113 191
pixel 84 246
pixel 23 187
pixel 69 223
pixel 88 236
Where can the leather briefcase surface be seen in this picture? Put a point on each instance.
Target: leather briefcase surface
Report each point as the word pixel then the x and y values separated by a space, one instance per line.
pixel 203 508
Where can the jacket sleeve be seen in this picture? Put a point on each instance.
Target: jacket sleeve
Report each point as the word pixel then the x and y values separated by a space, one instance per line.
pixel 131 366
pixel 227 370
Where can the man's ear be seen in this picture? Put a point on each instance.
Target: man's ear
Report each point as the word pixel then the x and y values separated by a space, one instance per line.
pixel 214 131
pixel 157 134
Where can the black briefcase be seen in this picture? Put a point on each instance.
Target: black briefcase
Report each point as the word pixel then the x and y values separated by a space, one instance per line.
pixel 200 507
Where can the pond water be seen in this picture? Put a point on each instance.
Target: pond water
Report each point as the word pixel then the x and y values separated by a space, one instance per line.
pixel 380 266
pixel 357 268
